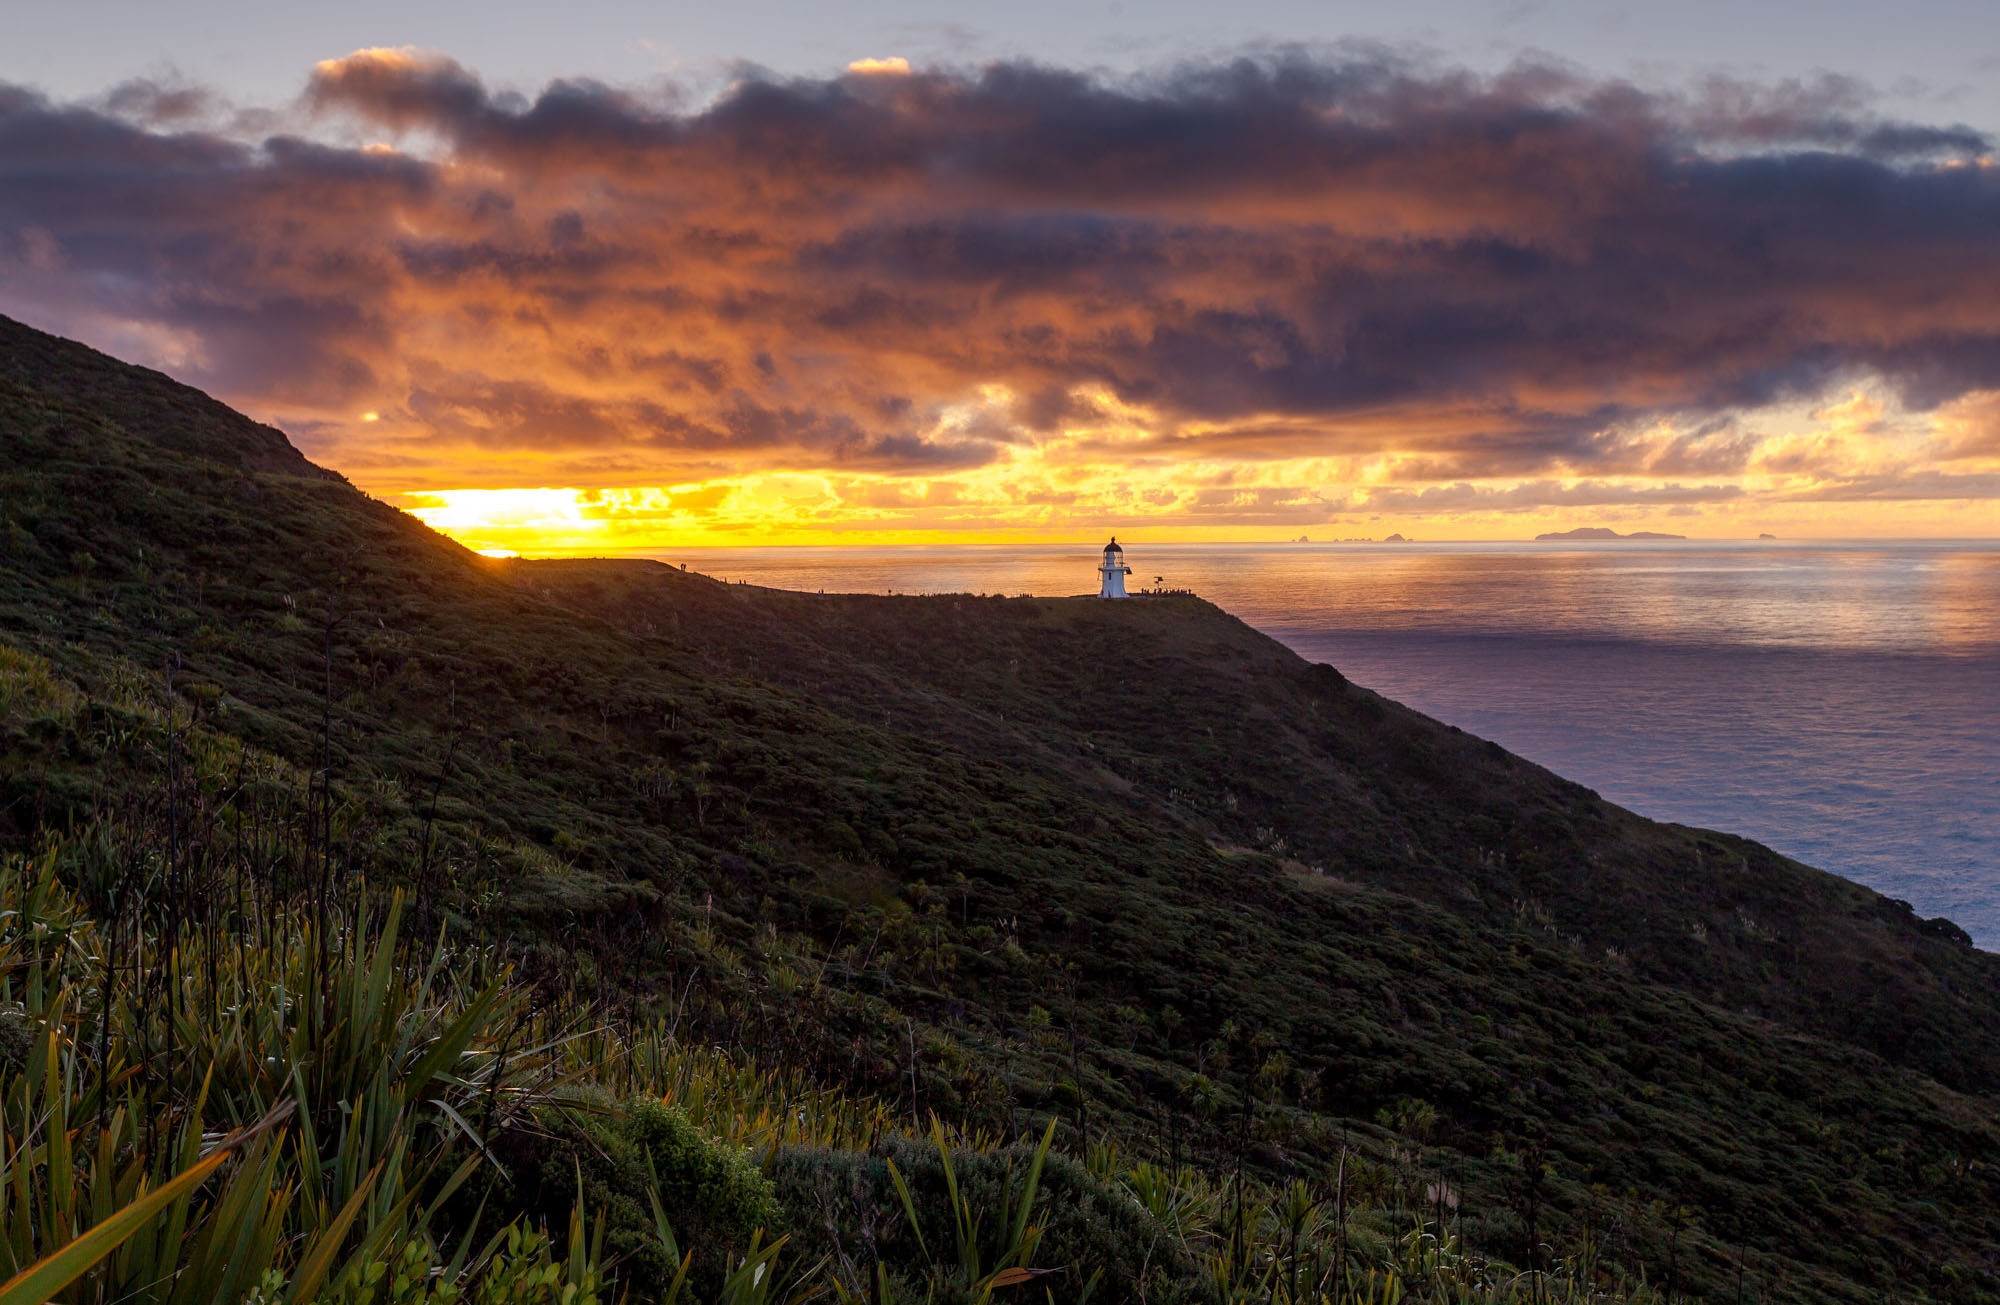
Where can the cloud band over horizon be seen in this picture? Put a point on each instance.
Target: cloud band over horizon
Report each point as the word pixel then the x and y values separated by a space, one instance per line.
pixel 1272 292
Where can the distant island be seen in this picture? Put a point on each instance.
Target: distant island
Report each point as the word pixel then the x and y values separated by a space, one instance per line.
pixel 1392 539
pixel 1767 535
pixel 1599 532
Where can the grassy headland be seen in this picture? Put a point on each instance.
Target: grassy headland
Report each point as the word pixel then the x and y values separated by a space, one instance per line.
pixel 1307 982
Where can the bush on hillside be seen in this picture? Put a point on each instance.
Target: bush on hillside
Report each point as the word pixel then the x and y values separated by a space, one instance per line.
pixel 843 1206
pixel 713 1195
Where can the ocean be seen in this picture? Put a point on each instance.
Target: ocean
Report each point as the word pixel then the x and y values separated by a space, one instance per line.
pixel 1838 701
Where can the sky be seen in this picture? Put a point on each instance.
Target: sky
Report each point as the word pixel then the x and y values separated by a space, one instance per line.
pixel 643 277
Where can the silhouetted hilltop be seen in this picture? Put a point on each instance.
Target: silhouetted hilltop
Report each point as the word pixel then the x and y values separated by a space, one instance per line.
pixel 64 378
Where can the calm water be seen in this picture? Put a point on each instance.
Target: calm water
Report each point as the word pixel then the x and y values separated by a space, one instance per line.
pixel 1838 701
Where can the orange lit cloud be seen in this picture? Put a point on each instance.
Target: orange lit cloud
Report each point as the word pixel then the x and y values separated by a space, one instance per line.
pixel 1225 301
pixel 894 66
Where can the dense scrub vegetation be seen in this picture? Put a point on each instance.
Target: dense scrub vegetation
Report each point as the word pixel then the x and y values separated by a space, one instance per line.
pixel 223 1085
pixel 1307 983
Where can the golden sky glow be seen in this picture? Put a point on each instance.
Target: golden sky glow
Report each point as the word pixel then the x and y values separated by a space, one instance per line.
pixel 1088 479
pixel 1281 298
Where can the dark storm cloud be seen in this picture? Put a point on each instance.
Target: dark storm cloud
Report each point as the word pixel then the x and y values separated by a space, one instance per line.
pixel 1492 276
pixel 162 103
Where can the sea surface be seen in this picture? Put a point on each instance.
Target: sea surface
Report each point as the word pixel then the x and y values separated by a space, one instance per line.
pixel 1839 701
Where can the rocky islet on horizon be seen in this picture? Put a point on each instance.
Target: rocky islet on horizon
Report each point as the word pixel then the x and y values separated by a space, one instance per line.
pixel 1600 532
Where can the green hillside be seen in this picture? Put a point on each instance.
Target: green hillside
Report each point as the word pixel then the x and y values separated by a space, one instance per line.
pixel 1133 868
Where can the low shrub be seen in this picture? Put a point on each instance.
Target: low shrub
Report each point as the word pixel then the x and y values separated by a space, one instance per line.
pixel 843 1206
pixel 619 1151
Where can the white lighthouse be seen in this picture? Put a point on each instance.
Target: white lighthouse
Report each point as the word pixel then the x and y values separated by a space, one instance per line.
pixel 1114 572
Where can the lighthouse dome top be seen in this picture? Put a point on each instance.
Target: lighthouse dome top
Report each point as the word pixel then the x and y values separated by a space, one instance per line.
pixel 1112 547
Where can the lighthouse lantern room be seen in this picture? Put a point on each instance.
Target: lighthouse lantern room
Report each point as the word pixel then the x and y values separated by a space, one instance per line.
pixel 1113 571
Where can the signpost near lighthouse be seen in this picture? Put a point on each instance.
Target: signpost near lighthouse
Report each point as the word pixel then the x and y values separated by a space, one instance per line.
pixel 1113 571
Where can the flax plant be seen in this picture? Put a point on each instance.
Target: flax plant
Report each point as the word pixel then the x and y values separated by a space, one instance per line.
pixel 320 1088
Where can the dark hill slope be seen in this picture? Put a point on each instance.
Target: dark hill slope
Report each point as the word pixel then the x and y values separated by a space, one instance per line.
pixel 69 381
pixel 1130 863
pixel 1175 708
